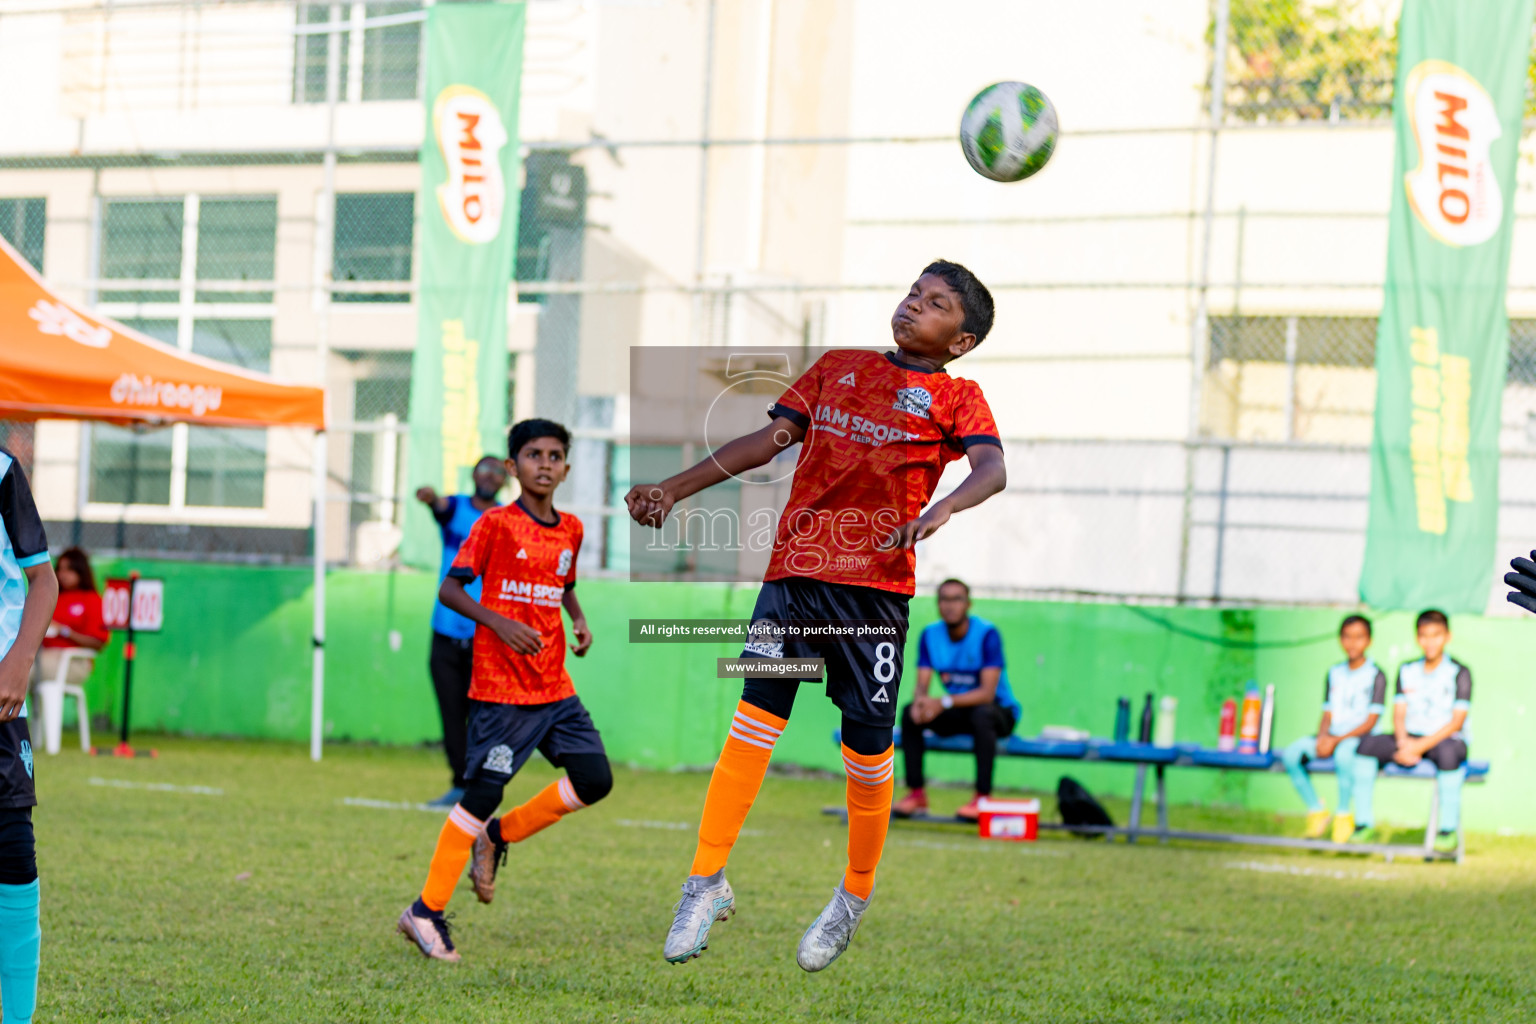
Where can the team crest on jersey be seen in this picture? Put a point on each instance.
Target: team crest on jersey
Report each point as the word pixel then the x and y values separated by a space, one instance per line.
pixel 848 379
pixel 499 760
pixel 26 757
pixel 916 401
pixel 565 563
pixel 765 639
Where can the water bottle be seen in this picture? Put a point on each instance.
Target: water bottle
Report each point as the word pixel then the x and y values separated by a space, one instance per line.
pixel 1227 737
pixel 1253 710
pixel 1123 720
pixel 1167 710
pixel 1144 734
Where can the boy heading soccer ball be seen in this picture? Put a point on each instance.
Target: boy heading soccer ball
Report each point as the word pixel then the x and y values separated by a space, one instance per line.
pixel 877 430
pixel 521 696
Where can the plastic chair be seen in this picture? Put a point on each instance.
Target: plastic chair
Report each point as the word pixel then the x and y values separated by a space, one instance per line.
pixel 50 698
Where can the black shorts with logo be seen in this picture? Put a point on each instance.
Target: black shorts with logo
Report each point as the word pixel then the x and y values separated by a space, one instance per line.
pixel 16 787
pixel 862 674
pixel 503 736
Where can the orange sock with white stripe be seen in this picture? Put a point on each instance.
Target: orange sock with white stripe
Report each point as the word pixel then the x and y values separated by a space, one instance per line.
pixel 454 844
pixel 733 786
pixel 548 806
pixel 871 784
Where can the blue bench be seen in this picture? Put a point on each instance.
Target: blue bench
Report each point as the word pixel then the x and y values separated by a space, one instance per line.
pixel 1192 755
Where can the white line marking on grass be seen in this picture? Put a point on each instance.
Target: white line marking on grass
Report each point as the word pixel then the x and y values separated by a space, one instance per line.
pixel 677 826
pixel 159 787
pixel 1291 869
pixel 391 805
pixel 929 844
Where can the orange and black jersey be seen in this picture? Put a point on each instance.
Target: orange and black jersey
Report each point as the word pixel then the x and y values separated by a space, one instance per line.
pixel 879 433
pixel 525 566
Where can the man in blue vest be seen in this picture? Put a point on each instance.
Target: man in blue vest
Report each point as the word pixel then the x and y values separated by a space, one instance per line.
pixel 967 654
pixel 453 635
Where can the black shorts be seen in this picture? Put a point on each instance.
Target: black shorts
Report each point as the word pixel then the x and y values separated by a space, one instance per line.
pixel 503 736
pixel 862 675
pixel 16 788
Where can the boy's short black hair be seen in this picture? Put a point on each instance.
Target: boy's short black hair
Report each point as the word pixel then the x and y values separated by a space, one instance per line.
pixel 1350 620
pixel 974 297
pixel 1432 616
pixel 532 430
pixel 952 582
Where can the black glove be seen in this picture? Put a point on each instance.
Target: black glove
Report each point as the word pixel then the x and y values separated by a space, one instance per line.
pixel 1523 579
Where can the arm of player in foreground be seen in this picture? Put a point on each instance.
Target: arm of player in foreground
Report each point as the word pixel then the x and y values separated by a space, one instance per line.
pixel 579 627
pixel 519 636
pixel 988 477
pixel 649 504
pixel 16 668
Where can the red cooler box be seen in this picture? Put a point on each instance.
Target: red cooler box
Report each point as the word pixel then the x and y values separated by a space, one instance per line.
pixel 1018 820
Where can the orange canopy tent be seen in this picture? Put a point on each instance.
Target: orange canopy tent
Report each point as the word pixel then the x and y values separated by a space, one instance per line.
pixel 58 361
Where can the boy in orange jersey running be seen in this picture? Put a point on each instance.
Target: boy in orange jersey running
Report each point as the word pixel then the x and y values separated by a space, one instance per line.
pixel 878 430
pixel 521 696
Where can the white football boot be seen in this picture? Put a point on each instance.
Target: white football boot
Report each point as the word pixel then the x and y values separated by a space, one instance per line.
pixel 706 899
pixel 828 935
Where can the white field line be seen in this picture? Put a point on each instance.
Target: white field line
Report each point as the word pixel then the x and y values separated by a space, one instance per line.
pixel 677 826
pixel 159 787
pixel 1291 869
pixel 995 846
pixel 392 805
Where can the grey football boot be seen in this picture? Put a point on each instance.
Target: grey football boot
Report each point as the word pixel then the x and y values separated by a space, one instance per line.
pixel 828 935
pixel 706 899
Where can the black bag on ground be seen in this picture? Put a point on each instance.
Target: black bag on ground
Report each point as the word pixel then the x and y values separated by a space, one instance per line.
pixel 1078 807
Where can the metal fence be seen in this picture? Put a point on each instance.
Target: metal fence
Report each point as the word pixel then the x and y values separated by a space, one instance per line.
pixel 686 233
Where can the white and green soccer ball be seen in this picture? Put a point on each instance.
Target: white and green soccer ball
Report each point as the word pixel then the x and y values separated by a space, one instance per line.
pixel 1008 131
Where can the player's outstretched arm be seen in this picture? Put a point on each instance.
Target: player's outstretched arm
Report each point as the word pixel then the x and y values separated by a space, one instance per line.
pixel 579 628
pixel 649 504
pixel 36 613
pixel 519 636
pixel 988 477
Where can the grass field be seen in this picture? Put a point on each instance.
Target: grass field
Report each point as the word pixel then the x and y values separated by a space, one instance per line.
pixel 268 897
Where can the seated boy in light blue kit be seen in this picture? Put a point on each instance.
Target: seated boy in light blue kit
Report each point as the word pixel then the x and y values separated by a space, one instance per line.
pixel 1429 716
pixel 1354 695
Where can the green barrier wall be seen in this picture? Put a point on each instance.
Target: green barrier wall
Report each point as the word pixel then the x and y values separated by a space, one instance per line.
pixel 234 660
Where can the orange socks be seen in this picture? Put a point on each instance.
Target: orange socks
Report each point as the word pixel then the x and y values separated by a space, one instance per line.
pixel 733 786
pixel 454 844
pixel 548 806
pixel 871 783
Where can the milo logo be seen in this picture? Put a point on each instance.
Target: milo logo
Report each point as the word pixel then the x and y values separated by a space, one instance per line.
pixel 1453 191
pixel 469 131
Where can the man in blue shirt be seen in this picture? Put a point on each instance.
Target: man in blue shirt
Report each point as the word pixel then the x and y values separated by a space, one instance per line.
pixel 453 635
pixel 28 592
pixel 967 654
pixel 1429 718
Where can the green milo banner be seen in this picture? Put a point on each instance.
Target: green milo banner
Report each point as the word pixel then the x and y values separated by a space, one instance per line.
pixel 469 176
pixel 1443 340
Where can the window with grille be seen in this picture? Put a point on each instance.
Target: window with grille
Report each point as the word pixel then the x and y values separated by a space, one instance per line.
pixel 374 232
pixel 23 223
pixel 380 62
pixel 204 268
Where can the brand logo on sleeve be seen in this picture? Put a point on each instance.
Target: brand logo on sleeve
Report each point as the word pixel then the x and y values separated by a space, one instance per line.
pixel 565 563
pixel 848 379
pixel 1454 192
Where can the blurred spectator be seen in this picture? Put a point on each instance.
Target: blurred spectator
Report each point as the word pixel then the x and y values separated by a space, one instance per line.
pixel 76 618
pixel 453 636
pixel 967 654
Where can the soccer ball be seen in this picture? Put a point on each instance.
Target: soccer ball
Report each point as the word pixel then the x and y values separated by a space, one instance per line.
pixel 1008 131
